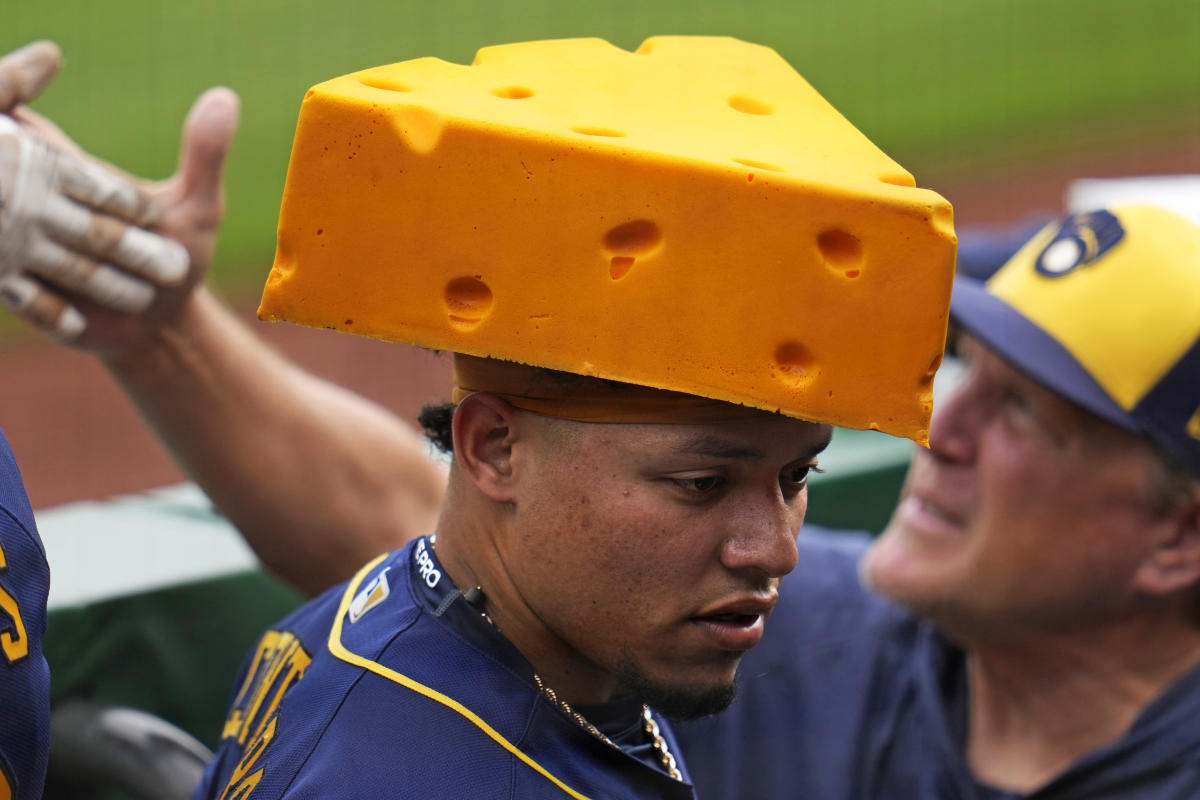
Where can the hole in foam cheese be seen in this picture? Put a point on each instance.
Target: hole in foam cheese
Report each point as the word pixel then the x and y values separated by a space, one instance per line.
pixel 628 242
pixel 468 302
pixel 692 216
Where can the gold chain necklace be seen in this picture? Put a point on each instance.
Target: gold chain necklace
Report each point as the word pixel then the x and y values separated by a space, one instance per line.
pixel 649 725
pixel 476 599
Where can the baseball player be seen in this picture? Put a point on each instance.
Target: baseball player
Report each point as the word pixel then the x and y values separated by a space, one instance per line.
pixel 24 675
pixel 606 552
pixel 492 657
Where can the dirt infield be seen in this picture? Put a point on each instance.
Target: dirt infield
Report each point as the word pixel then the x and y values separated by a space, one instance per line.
pixel 77 437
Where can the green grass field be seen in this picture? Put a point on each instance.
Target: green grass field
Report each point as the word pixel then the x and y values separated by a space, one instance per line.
pixel 921 78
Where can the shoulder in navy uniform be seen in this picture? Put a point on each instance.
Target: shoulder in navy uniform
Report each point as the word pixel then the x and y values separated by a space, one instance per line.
pixel 24 674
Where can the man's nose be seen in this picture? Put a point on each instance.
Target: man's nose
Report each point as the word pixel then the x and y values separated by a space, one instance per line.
pixel 763 538
pixel 951 434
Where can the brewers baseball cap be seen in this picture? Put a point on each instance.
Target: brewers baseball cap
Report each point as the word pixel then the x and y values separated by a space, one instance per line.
pixel 1103 308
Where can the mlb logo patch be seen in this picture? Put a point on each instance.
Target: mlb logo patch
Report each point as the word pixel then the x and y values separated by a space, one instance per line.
pixel 1081 240
pixel 370 596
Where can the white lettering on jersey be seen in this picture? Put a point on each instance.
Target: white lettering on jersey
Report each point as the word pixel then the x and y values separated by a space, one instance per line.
pixel 429 573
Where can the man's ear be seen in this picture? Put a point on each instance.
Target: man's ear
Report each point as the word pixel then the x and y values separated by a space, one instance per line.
pixel 483 435
pixel 1175 563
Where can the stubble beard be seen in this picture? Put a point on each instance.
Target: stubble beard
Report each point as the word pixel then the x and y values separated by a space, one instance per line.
pixel 675 702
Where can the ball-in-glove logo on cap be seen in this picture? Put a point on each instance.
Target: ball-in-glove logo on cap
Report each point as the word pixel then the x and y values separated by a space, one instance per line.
pixel 1081 240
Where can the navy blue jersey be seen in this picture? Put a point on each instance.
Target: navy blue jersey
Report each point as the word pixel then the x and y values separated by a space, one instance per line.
pixel 394 686
pixel 24 676
pixel 850 698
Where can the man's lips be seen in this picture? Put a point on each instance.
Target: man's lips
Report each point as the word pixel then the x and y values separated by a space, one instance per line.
pixel 922 512
pixel 735 625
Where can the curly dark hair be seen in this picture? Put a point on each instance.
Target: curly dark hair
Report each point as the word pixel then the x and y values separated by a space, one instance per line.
pixel 435 419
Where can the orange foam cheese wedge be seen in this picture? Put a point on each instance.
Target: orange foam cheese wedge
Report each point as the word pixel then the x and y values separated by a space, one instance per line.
pixel 690 216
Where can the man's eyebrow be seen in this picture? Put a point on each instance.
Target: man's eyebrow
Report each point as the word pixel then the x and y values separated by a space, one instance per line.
pixel 819 446
pixel 716 447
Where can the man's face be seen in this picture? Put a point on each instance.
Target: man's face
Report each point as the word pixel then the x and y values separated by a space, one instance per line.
pixel 653 553
pixel 1025 512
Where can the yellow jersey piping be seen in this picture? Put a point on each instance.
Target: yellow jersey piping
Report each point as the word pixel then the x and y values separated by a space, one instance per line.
pixel 339 651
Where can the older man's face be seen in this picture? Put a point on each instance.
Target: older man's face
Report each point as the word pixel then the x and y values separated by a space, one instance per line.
pixel 654 552
pixel 1026 513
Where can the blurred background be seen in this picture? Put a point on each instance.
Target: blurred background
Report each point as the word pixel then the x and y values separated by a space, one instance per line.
pixel 997 104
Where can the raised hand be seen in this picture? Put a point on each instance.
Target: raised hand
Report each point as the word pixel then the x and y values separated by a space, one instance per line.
pixel 188 207
pixel 69 226
pixel 88 254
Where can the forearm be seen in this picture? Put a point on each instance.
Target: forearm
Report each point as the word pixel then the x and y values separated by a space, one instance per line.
pixel 315 477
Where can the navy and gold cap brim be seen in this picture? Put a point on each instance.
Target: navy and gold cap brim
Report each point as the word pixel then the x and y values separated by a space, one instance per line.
pixel 1103 308
pixel 1030 349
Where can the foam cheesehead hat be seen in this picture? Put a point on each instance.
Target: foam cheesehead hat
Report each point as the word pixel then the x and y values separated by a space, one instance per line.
pixel 1103 308
pixel 692 217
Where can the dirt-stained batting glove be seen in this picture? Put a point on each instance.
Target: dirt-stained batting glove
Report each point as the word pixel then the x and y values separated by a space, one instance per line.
pixel 69 225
